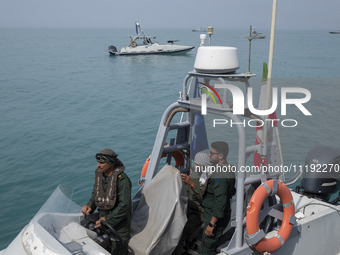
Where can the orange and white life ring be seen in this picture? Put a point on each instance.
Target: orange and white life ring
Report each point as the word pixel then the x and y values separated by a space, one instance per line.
pixel 254 235
pixel 177 155
pixel 145 168
pixel 133 43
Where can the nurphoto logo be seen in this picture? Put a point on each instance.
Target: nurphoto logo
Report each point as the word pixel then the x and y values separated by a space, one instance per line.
pixel 239 102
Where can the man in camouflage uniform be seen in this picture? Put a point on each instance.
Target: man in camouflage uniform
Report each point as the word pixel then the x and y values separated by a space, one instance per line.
pixel 112 196
pixel 194 209
pixel 216 199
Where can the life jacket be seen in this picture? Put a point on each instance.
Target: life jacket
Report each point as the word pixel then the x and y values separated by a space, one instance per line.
pixel 107 200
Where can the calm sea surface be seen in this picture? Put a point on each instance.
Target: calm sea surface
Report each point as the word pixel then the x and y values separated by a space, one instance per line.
pixel 63 98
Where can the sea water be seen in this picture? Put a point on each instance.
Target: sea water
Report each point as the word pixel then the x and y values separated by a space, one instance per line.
pixel 63 99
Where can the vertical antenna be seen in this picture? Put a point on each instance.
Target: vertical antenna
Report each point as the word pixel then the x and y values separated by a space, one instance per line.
pixel 210 33
pixel 249 38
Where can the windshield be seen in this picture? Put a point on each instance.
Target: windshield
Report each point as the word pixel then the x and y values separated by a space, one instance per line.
pixel 60 201
pixel 56 227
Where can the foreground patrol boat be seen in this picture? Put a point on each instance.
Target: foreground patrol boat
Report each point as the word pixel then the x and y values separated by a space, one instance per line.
pixel 142 44
pixel 267 216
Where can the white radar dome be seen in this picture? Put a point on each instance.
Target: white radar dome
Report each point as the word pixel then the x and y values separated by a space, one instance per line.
pixel 216 59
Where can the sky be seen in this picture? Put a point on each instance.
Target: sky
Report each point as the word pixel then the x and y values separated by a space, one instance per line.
pixel 224 14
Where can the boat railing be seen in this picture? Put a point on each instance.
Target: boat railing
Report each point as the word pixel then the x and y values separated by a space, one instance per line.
pixel 234 77
pixel 176 147
pixel 244 152
pixel 184 104
pixel 164 127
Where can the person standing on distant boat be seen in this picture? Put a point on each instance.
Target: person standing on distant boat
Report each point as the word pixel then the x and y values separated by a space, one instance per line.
pixel 112 196
pixel 217 198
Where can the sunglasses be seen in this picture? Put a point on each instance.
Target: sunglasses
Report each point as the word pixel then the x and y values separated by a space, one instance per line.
pixel 212 153
pixel 102 159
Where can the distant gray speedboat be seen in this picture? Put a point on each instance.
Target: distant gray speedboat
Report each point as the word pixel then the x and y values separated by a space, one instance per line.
pixel 142 44
pixel 200 30
pixel 335 32
pixel 255 35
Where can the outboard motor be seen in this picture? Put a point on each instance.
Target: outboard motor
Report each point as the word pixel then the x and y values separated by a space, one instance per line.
pixel 321 173
pixel 112 49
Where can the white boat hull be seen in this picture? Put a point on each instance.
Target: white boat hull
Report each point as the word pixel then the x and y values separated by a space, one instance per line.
pixel 315 232
pixel 142 44
pixel 154 48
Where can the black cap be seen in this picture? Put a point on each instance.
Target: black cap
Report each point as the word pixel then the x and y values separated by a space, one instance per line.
pixel 106 156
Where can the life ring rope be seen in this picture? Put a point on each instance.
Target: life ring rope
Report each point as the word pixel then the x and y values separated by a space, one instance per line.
pixel 256 236
pixel 133 43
